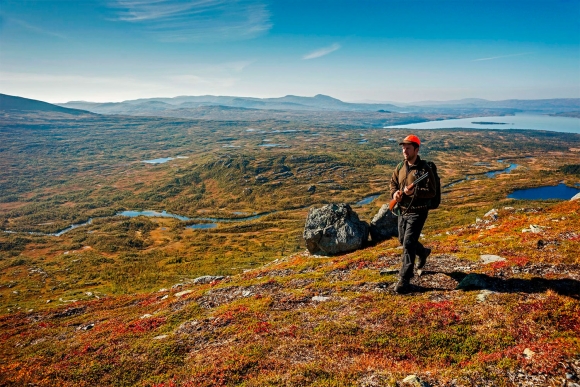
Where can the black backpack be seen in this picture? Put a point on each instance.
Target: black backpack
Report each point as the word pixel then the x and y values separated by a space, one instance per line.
pixel 435 201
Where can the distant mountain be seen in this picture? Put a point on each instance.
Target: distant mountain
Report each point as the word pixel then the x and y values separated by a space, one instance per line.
pixel 320 103
pixel 19 104
pixel 289 102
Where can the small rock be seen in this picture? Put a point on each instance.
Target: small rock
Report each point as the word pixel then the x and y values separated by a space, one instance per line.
pixel 489 258
pixel 164 297
pixel 320 298
pixel 311 189
pixel 162 290
pixel 482 296
pixel 90 294
pixel 160 337
pixel 183 293
pixel 491 214
pixel 48 301
pixel 414 381
pixel 206 279
pixel 528 353
pixel 576 197
pixel 535 229
pixel 176 286
pixel 147 315
pixel 86 327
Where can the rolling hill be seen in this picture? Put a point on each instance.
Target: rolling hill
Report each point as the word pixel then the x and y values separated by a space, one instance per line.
pixel 11 103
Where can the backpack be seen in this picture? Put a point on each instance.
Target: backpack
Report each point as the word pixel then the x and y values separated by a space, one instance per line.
pixel 435 201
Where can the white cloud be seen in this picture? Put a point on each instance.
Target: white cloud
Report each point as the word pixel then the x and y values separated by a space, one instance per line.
pixel 501 56
pixel 194 20
pixel 322 51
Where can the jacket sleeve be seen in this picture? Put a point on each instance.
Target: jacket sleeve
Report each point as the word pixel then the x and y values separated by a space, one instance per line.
pixel 394 182
pixel 427 189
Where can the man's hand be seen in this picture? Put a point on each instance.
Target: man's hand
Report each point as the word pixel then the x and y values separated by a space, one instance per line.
pixel 398 196
pixel 409 191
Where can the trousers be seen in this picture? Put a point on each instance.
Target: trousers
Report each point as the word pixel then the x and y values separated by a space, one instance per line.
pixel 410 226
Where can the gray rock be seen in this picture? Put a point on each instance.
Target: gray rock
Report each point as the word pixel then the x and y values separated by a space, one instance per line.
pixel 576 197
pixel 311 189
pixel 489 258
pixel 473 281
pixel 384 225
pixel 320 299
pixel 206 279
pixel 482 296
pixel 334 229
pixel 528 353
pixel 183 293
pixel 414 381
pixel 491 214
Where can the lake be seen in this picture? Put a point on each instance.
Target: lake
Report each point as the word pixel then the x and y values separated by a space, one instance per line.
pixel 560 191
pixel 518 121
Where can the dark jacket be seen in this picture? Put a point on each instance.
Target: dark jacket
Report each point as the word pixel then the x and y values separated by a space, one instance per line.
pixel 405 175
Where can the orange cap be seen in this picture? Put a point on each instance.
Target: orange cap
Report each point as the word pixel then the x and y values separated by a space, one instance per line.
pixel 411 138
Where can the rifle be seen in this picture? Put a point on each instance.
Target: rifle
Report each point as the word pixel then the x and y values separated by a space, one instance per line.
pixel 393 202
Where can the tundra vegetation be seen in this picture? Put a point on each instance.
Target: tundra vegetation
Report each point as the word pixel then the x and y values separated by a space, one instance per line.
pixel 113 302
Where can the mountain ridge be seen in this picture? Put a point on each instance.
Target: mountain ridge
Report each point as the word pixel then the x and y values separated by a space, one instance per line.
pixel 321 102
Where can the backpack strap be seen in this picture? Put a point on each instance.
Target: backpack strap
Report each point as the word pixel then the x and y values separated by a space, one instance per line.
pixel 399 166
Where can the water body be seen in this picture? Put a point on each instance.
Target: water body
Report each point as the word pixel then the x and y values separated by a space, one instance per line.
pixel 153 214
pixel 560 191
pixel 367 200
pixel 518 121
pixel 491 174
pixel 202 226
pixel 507 170
pixel 163 160
pixel 274 146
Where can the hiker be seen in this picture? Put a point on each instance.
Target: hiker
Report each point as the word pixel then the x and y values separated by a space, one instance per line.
pixel 413 208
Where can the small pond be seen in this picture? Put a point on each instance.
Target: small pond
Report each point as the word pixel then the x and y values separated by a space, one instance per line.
pixel 560 191
pixel 367 200
pixel 163 160
pixel 162 214
pixel 202 226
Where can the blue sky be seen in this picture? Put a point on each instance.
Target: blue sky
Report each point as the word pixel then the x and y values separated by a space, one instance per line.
pixel 389 50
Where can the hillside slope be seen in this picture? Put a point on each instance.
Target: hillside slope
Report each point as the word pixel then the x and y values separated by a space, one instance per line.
pixel 333 321
pixel 19 104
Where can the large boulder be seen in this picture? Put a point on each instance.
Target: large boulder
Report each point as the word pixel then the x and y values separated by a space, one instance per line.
pixel 334 229
pixel 384 225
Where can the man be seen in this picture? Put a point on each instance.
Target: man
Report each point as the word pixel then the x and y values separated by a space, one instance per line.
pixel 413 202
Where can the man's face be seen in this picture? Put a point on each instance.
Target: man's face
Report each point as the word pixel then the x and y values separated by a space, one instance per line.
pixel 409 151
